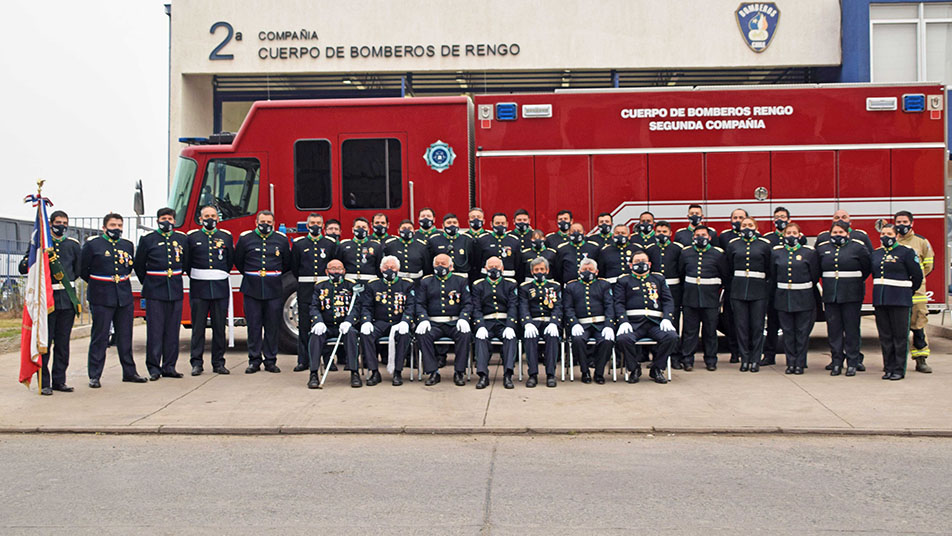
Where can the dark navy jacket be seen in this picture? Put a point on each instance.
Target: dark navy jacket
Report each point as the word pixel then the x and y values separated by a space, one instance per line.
pixel 530 254
pixel 540 300
pixel 568 257
pixel 107 266
pixel 494 298
pixel 459 248
pixel 361 258
pixel 508 248
pixel 330 301
pixel 896 275
pixel 210 251
pixel 383 301
pixel 844 271
pixel 262 260
pixel 703 274
pixel 437 297
pixel 414 257
pixel 795 273
pixel 159 264
pixel 309 258
pixel 748 263
pixel 68 251
pixel 581 301
pixel 670 257
pixel 640 298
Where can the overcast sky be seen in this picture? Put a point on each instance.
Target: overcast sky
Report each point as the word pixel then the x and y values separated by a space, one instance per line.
pixel 85 93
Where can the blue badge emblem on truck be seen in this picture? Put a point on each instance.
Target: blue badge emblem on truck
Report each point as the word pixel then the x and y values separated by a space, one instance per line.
pixel 757 22
pixel 439 156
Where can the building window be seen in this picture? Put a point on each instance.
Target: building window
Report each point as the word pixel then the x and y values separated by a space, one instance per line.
pixel 231 185
pixel 312 174
pixel 372 175
pixel 910 42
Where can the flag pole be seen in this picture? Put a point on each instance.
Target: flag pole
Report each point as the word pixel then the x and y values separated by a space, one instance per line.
pixel 39 371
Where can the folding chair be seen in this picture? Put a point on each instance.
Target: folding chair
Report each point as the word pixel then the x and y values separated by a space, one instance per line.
pixel 591 341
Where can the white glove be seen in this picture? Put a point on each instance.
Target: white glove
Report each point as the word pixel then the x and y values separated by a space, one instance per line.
pixel 482 333
pixel 608 334
pixel 624 328
pixel 403 328
pixel 530 331
pixel 551 330
pixel 462 326
pixel 577 330
pixel 666 325
pixel 345 327
pixel 366 328
pixel 319 329
pixel 508 334
pixel 423 327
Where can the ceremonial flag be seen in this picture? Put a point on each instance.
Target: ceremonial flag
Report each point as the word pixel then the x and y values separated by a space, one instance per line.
pixel 38 300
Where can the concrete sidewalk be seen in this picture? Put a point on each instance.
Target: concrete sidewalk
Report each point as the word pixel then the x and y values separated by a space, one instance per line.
pixel 696 402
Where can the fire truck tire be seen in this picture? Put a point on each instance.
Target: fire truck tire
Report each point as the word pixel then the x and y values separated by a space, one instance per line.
pixel 288 335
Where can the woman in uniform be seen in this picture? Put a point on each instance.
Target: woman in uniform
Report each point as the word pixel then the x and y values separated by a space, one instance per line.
pixel 748 256
pixel 896 275
pixel 796 270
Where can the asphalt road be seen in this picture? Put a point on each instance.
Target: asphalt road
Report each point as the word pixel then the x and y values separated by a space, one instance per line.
pixel 364 484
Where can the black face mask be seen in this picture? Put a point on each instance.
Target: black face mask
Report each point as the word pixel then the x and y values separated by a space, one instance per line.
pixel 380 230
pixel 838 240
pixel 640 267
pixel 336 277
pixel 441 271
pixel 426 223
pixel 538 244
pixel 539 276
pixel 791 241
pixel 360 233
pixel 587 276
pixel 577 237
pixel 748 234
pixel 390 275
pixel 663 239
pixel 475 224
pixel 522 226
pixel 494 273
pixel 888 241
pixel 620 240
pixel 334 236
pixel 114 234
pixel 735 225
pixel 645 228
pixel 315 230
pixel 695 220
pixel 58 230
pixel 903 229
pixel 499 229
pixel 701 242
pixel 780 224
pixel 165 226
pixel 209 224
pixel 451 229
pixel 564 225
pixel 265 228
pixel 406 234
pixel 604 228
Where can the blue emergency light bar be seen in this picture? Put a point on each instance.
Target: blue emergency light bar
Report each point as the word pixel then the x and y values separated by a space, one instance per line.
pixel 194 141
pixel 506 111
pixel 914 103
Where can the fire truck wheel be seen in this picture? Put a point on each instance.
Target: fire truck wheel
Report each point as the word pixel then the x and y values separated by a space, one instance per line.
pixel 287 341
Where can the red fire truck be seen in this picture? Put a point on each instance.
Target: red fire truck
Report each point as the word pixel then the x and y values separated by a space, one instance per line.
pixel 869 149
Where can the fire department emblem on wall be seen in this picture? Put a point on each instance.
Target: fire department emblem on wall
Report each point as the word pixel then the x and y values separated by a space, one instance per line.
pixel 439 156
pixel 757 22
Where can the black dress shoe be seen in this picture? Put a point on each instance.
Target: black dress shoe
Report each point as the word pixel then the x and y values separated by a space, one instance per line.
pixel 860 367
pixel 172 374
pixel 550 381
pixel 711 366
pixel 397 380
pixel 735 359
pixel 851 371
pixel 755 367
pixel 355 380
pixel 830 366
pixel 135 379
pixel 272 369
pixel 886 376
pixel 532 381
pixel 459 379
pixel 836 370
pixel 94 384
pixel 374 378
pixel 896 376
pixel 789 370
pixel 676 365
pixel 46 391
pixel 433 379
pixel 483 381
pixel 252 369
pixel 154 376
pixel 768 361
pixel 62 387
pixel 687 367
pixel 659 377
pixel 507 381
pixel 586 377
pixel 221 370
pixel 745 366
pixel 300 366
pixel 798 370
pixel 197 370
pixel 313 382
pixel 600 380
pixel 632 378
pixel 442 361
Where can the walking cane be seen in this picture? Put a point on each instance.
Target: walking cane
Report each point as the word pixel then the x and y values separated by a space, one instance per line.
pixel 357 290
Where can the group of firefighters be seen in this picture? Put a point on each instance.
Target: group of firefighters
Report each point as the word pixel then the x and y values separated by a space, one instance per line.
pixel 610 290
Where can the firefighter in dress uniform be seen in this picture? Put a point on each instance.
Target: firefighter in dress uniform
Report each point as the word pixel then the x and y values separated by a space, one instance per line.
pixel 386 310
pixel 615 257
pixel 703 270
pixel 569 254
pixel 563 220
pixel 685 235
pixel 410 251
pixel 644 230
pixel 60 319
pixel 360 254
pixel 645 309
pixel 523 228
pixel 211 256
pixel 499 243
pixel 727 316
pixel 537 249
pixel 381 228
pixel 443 309
pixel 772 341
pixel 748 259
pixel 540 311
pixel 795 269
pixel 451 242
pixel 333 312
pixel 427 219
pixel 106 266
pixel 495 313
pixel 159 263
pixel 855 234
pixel 844 267
pixel 670 269
pixel 602 233
pixel 920 300
pixel 589 313
pixel 309 257
pixel 262 255
pixel 897 273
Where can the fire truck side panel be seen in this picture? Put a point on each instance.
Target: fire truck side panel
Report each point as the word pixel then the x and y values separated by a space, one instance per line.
pixel 730 181
pixel 506 184
pixel 562 182
pixel 618 178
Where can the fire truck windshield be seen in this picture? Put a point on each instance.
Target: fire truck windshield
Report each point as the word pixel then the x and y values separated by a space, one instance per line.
pixel 182 188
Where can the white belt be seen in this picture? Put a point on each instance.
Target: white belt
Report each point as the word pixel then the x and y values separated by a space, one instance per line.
pixel 612 280
pixel 645 312
pixel 673 281
pixel 838 273
pixel 703 280
pixel 362 277
pixel 207 274
pixel 58 286
pixel 408 275
pixel 496 316
pixel 748 273
pixel 795 286
pixel 893 282
pixel 542 318
pixel 443 318
pixel 591 320
pixel 312 279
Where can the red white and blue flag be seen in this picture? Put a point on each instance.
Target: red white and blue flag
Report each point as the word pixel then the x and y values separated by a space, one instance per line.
pixel 38 301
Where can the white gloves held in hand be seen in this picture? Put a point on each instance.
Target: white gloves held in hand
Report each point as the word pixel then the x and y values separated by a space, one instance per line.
pixel 608 334
pixel 577 330
pixel 366 328
pixel 423 327
pixel 462 326
pixel 666 325
pixel 319 329
pixel 345 327
pixel 624 328
pixel 482 333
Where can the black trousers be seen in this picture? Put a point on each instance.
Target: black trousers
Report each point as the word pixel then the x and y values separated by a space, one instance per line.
pixel 201 309
pixel 729 318
pixel 368 345
pixel 59 329
pixel 318 343
pixel 120 318
pixel 531 347
pixel 666 342
pixel 772 343
pixel 304 332
pixel 796 328
pixel 264 314
pixel 603 348
pixel 892 322
pixel 163 319
pixel 703 321
pixel 842 330
pixel 749 328
pixel 484 347
pixel 461 341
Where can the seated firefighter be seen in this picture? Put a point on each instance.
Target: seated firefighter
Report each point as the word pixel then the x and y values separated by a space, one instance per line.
pixel 332 315
pixel 386 310
pixel 495 312
pixel 443 309
pixel 590 314
pixel 540 311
